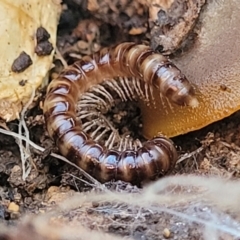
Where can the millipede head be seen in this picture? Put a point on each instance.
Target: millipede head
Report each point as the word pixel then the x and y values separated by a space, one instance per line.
pixel 178 89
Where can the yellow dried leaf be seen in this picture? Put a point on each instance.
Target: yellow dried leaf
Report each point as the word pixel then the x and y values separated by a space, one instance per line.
pixel 19 21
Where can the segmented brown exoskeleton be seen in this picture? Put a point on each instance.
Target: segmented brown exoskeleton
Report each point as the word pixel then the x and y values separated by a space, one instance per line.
pixel 153 158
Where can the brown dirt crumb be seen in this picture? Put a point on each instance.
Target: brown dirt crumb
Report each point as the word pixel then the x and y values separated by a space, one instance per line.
pixel 22 62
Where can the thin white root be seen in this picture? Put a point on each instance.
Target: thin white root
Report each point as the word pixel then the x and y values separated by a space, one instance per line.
pixel 25 150
pixel 189 155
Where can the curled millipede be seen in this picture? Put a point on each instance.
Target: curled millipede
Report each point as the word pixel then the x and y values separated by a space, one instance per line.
pixel 152 158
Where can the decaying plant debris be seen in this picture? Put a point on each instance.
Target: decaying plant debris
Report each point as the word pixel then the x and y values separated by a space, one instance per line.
pixel 56 201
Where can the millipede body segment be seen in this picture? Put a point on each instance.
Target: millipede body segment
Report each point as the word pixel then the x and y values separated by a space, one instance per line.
pixel 154 157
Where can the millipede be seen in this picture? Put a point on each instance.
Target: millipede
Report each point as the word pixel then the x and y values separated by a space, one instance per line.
pixel 132 70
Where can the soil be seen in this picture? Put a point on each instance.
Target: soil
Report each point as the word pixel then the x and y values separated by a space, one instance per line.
pixel 212 151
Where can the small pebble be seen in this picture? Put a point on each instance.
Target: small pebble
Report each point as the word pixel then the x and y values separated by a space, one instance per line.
pixel 13 207
pixel 166 233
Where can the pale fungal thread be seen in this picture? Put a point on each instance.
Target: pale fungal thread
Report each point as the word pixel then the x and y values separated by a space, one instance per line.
pixel 152 158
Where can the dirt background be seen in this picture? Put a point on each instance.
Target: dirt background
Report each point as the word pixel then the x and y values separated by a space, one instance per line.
pixel 212 151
